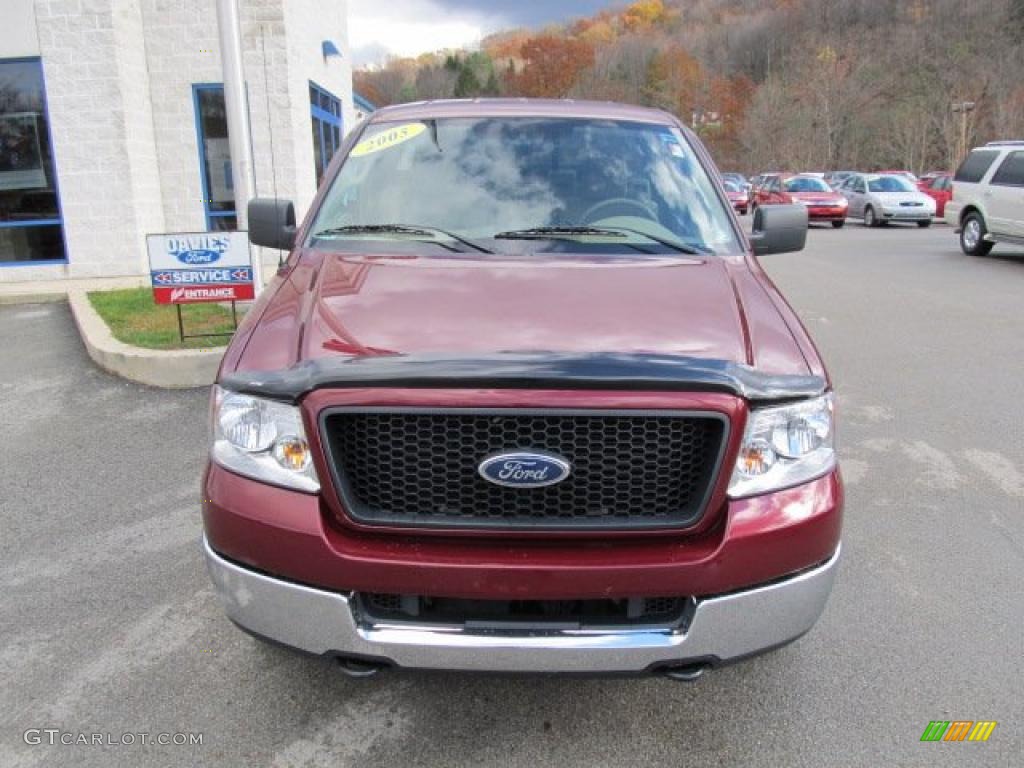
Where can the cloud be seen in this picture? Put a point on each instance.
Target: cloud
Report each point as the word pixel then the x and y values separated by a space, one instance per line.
pixel 407 28
pixel 528 13
pixel 410 27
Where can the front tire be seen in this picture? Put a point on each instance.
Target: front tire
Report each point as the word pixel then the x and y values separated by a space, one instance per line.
pixel 972 235
pixel 870 220
pixel 838 224
pixel 924 224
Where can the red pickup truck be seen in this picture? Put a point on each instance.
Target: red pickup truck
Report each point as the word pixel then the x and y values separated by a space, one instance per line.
pixel 520 398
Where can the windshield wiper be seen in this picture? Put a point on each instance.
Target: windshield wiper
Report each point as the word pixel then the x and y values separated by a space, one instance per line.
pixel 691 248
pixel 413 230
pixel 555 233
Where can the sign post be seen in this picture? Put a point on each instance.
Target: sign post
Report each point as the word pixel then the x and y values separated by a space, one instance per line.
pixel 196 267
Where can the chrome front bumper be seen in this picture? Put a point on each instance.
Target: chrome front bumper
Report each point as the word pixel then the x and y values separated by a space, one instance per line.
pixel 721 629
pixel 907 214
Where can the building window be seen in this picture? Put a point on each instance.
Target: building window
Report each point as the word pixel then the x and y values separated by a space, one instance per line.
pixel 326 112
pixel 214 157
pixel 31 229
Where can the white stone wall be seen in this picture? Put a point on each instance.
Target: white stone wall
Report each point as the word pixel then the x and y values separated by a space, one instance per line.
pixel 101 125
pixel 308 23
pixel 143 182
pixel 18 32
pixel 119 77
pixel 182 50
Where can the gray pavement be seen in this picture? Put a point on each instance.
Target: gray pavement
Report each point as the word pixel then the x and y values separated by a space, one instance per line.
pixel 108 623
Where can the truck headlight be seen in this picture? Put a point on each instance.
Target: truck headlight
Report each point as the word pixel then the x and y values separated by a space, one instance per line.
pixel 262 439
pixel 784 446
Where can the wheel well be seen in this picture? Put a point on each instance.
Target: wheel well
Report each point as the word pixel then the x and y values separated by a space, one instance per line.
pixel 968 210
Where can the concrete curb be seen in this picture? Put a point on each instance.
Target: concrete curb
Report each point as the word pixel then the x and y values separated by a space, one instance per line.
pixel 45 291
pixel 168 369
pixel 40 297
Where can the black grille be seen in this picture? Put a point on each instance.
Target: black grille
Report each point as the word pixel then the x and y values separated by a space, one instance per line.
pixel 446 610
pixel 419 468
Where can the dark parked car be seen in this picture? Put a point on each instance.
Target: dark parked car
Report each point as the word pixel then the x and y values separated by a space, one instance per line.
pixel 521 398
pixel 835 178
pixel 738 178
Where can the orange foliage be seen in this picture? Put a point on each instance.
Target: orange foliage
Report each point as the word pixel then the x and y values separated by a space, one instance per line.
pixel 677 80
pixel 552 66
pixel 730 97
pixel 644 14
pixel 505 45
pixel 599 33
pixel 363 85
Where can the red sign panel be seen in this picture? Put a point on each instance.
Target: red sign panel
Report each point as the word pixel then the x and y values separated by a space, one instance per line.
pixel 189 294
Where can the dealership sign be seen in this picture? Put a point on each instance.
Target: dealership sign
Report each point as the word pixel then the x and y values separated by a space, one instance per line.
pixel 200 266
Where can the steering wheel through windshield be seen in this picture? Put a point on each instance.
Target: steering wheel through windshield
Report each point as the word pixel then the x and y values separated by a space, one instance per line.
pixel 590 215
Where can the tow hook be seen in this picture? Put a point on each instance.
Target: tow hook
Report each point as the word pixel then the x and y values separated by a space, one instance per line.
pixel 687 673
pixel 358 668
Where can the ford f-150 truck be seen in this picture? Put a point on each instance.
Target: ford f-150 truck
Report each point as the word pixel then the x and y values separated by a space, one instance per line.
pixel 520 398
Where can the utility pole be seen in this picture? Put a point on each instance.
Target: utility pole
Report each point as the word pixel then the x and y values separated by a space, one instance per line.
pixel 962 108
pixel 237 113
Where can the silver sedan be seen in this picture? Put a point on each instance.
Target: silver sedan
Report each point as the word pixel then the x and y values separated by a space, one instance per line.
pixel 879 198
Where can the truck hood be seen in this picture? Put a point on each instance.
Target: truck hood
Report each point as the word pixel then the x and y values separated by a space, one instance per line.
pixel 366 306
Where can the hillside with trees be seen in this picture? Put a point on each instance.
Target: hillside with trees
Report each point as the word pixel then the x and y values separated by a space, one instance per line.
pixel 802 84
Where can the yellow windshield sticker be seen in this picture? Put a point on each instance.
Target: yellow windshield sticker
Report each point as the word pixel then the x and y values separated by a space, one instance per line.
pixel 388 139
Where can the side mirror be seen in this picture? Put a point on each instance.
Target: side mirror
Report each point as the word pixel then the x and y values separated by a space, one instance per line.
pixel 272 223
pixel 779 229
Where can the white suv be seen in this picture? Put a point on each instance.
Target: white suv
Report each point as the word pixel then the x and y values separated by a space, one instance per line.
pixel 988 197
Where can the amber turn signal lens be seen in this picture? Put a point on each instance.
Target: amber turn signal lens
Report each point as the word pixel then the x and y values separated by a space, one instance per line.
pixel 756 458
pixel 292 453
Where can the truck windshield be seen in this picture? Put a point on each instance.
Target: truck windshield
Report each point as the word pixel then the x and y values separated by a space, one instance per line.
pixel 503 185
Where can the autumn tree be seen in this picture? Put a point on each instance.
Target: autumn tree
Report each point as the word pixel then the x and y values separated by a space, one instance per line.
pixel 644 14
pixel 551 66
pixel 675 81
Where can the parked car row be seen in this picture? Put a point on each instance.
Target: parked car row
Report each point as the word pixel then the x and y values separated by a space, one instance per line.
pixel 983 201
pixel 875 198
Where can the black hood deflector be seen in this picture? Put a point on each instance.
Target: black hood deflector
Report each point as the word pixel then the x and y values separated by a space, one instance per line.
pixel 527 371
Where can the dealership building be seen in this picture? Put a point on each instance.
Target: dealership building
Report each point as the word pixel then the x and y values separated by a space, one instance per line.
pixel 112 123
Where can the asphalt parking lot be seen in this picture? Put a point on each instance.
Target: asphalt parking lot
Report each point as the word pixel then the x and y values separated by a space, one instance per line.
pixel 108 623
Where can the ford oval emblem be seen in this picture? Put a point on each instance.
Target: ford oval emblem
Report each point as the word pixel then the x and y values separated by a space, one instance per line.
pixel 524 469
pixel 197 257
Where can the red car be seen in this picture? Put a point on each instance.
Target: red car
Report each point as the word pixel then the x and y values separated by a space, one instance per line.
pixel 823 203
pixel 738 194
pixel 925 179
pixel 940 189
pixel 508 405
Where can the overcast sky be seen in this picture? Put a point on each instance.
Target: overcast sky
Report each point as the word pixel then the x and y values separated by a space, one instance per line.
pixel 409 27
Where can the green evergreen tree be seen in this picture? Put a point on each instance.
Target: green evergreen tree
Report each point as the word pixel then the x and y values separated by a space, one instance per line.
pixel 468 84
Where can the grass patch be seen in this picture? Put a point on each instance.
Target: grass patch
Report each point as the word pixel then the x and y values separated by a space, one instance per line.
pixel 135 319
